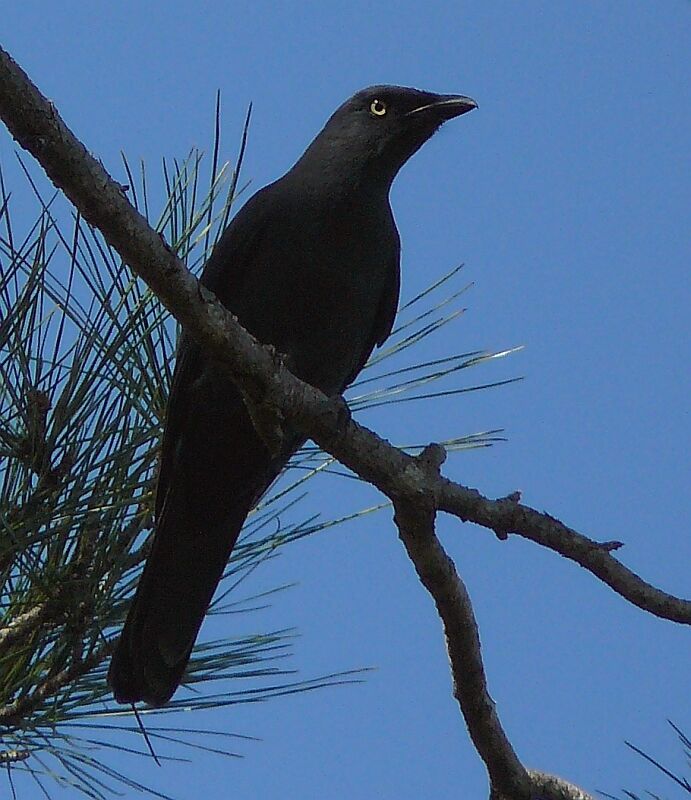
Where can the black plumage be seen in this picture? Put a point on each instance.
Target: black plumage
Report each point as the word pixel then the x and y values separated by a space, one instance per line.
pixel 310 265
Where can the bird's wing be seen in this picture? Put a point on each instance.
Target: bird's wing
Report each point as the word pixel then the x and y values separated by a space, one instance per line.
pixel 213 467
pixel 386 311
pixel 188 368
pixel 234 254
pixel 388 305
pixel 223 274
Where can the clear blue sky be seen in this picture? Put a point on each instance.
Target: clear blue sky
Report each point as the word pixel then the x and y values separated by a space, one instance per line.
pixel 568 196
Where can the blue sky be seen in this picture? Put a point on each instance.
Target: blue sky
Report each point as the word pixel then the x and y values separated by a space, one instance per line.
pixel 567 195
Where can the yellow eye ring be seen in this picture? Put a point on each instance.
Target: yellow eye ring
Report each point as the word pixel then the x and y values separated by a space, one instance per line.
pixel 378 108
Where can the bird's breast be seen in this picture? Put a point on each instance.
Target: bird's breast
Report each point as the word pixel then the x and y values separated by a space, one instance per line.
pixel 315 289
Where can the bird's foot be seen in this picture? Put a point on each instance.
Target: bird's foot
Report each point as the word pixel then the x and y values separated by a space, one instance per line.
pixel 338 411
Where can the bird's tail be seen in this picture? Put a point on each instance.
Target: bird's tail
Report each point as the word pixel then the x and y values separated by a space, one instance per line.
pixel 174 592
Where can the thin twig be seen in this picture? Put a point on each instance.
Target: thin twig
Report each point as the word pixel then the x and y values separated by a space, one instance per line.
pixel 22 623
pixel 507 516
pixel 13 713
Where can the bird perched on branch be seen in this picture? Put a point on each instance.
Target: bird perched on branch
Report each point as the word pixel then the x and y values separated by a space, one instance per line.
pixel 309 265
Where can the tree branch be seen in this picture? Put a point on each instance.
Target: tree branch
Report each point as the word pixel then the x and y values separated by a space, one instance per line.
pixel 265 380
pixel 416 489
pixel 507 516
pixel 414 515
pixel 22 624
pixel 550 787
pixel 14 713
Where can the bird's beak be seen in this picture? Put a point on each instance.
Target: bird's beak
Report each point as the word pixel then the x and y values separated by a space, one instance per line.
pixel 446 106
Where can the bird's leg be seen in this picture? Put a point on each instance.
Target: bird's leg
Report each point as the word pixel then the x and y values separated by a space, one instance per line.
pixel 268 421
pixel 335 410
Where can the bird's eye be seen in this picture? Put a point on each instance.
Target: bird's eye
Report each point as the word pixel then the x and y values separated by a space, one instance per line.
pixel 378 108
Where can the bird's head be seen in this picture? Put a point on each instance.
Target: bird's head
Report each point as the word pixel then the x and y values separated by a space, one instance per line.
pixel 379 128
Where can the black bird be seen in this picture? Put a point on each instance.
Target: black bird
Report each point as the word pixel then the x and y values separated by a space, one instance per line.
pixel 310 265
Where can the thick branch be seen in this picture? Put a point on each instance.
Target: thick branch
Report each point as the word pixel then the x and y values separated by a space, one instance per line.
pixel 265 380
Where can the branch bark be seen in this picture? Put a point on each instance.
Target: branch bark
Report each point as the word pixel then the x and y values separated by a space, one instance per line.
pixel 415 512
pixel 416 490
pixel 22 624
